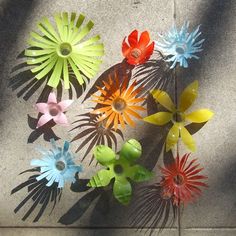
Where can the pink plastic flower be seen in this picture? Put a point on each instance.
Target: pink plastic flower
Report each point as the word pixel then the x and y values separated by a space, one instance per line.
pixel 52 110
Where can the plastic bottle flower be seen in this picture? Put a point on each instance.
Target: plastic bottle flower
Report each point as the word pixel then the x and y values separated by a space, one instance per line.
pixel 57 165
pixel 61 48
pixel 182 180
pixel 119 102
pixel 137 51
pixel 121 169
pixel 179 116
pixel 53 110
pixel 179 46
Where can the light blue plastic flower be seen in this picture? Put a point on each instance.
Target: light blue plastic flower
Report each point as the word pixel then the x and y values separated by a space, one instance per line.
pixel 57 165
pixel 179 46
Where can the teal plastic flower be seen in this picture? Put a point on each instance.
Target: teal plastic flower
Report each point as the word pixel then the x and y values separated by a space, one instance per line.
pixel 58 52
pixel 121 169
pixel 57 165
pixel 179 46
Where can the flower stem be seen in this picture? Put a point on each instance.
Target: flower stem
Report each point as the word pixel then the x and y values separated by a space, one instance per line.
pixel 179 220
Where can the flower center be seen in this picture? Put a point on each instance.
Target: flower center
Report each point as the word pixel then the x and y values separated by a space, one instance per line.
pixel 118 169
pixel 178 116
pixel 119 104
pixel 180 49
pixel 135 53
pixel 65 50
pixel 179 179
pixel 54 109
pixel 60 165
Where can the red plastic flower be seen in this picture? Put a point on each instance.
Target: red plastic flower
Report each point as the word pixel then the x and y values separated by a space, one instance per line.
pixel 183 180
pixel 137 51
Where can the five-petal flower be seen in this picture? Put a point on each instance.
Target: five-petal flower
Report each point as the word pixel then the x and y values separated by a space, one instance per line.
pixel 53 110
pixel 179 116
pixel 139 50
pixel 120 169
pixel 57 165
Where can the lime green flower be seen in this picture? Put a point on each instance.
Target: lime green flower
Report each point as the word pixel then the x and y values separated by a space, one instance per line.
pixel 121 169
pixel 58 51
pixel 179 116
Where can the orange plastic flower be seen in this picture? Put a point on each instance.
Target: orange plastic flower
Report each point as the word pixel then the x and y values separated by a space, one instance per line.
pixel 183 180
pixel 137 51
pixel 119 102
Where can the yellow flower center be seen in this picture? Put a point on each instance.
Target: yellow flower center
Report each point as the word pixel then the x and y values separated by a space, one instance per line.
pixel 119 104
pixel 135 53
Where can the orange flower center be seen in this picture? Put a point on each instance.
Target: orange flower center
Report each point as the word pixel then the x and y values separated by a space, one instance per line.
pixel 179 179
pixel 135 53
pixel 54 109
pixel 119 104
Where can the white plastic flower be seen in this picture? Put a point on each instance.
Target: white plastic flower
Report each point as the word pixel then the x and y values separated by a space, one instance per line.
pixel 179 46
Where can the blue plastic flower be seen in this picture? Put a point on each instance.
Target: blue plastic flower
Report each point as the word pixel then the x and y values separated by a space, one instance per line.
pixel 57 165
pixel 179 46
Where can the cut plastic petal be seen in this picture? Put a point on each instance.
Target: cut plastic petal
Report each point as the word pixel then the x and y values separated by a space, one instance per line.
pixel 101 179
pixel 65 104
pixel 52 98
pixel 199 116
pixel 144 39
pixel 139 174
pixel 122 190
pixel 188 96
pixel 159 118
pixel 187 139
pixel 164 99
pixel 61 119
pixel 43 120
pixel 42 107
pixel 131 150
pixel 133 38
pixel 104 155
pixel 172 137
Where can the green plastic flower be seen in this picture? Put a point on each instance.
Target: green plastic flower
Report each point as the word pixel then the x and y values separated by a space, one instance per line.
pixel 58 51
pixel 122 169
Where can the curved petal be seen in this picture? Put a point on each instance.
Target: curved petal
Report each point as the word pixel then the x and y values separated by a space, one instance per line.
pixel 65 104
pixel 187 139
pixel 138 173
pixel 131 150
pixel 159 118
pixel 43 120
pixel 164 99
pixel 61 119
pixel 42 107
pixel 188 96
pixel 101 179
pixel 52 98
pixel 125 48
pixel 199 116
pixel 144 40
pixel 104 155
pixel 172 137
pixel 133 38
pixel 122 190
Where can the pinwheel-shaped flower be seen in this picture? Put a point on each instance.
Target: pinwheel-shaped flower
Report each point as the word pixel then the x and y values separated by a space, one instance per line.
pixel 139 50
pixel 121 169
pixel 182 180
pixel 57 50
pixel 52 110
pixel 179 116
pixel 57 165
pixel 179 46
pixel 119 102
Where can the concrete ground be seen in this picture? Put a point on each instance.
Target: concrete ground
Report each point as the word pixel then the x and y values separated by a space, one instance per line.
pixel 214 214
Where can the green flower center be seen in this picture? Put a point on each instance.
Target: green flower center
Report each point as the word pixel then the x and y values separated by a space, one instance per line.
pixel 135 53
pixel 64 50
pixel 60 165
pixel 54 109
pixel 178 179
pixel 118 169
pixel 119 104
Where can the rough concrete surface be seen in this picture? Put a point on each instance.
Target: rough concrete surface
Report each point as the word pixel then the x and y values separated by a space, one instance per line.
pixel 215 212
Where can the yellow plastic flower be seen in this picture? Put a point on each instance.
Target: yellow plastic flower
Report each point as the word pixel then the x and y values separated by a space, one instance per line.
pixel 179 116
